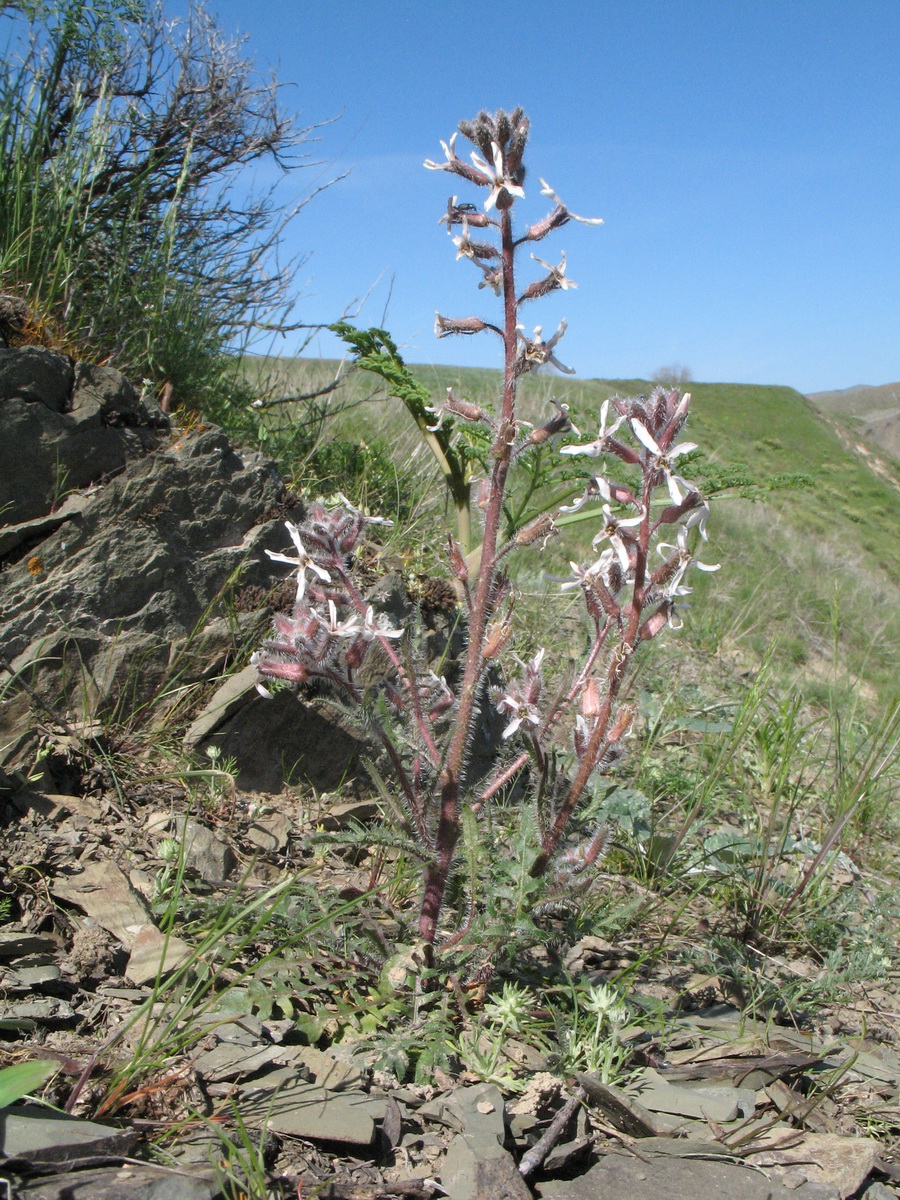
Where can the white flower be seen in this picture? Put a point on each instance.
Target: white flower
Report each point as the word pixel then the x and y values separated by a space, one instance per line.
pixel 595 448
pixel 687 559
pixel 496 175
pixel 439 414
pixel 547 190
pixel 347 628
pixel 582 576
pixel 560 279
pixel 493 278
pixel 523 714
pixel 376 625
pixel 365 516
pixel 463 243
pixel 521 702
pixel 611 530
pixel 698 518
pixel 664 459
pixel 303 562
pixel 535 352
pixel 255 659
pixel 675 590
pixel 450 153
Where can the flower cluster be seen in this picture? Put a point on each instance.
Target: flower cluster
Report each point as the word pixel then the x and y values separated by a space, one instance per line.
pixel 654 423
pixel 629 596
pixel 331 628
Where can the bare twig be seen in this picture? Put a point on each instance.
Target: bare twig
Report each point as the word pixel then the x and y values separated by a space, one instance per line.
pixel 533 1158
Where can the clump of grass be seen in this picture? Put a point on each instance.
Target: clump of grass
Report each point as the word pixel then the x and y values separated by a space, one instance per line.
pixel 121 134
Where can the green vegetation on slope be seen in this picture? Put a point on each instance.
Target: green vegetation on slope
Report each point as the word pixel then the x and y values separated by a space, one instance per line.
pixel 815 569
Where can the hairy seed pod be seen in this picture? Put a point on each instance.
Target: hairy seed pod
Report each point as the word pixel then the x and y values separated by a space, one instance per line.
pixel 542 526
pixel 498 634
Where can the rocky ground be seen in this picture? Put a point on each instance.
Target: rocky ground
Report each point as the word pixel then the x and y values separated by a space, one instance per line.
pixel 715 1100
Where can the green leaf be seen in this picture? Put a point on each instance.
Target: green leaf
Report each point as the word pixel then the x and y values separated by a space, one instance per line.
pixel 22 1079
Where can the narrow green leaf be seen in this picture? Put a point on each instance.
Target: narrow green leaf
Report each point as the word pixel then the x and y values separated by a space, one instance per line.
pixel 22 1079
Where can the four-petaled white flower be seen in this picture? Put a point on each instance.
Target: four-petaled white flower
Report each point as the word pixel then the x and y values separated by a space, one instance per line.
pixel 255 659
pixel 582 576
pixel 449 151
pixel 674 590
pixel 698 518
pixel 521 702
pixel 560 279
pixel 501 182
pixel 365 516
pixel 349 627
pixel 376 625
pixel 302 563
pixel 611 529
pixel 664 459
pixel 463 243
pixel 493 278
pixel 686 558
pixel 522 713
pixel 595 448
pixel 537 353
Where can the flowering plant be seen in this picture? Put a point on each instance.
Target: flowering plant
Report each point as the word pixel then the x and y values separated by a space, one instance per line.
pixel 631 591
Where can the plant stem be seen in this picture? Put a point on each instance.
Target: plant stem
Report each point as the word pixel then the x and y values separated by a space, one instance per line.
pixel 438 871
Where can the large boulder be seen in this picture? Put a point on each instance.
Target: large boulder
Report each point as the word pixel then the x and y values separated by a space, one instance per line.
pixel 132 559
pixel 66 426
pixel 134 581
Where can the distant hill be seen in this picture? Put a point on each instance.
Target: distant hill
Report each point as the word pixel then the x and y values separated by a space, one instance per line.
pixel 872 412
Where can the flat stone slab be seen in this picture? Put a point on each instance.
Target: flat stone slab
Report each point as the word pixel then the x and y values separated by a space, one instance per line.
pixel 232 695
pixel 128 1182
pixel 210 857
pixel 29 1131
pixel 228 1060
pixel 152 954
pixel 105 894
pixel 720 1104
pixel 327 1071
pixel 480 1110
pixel 620 1110
pixel 270 832
pixel 290 1106
pixel 14 944
pixel 623 1177
pixel 841 1162
pixel 476 1167
pixel 46 1010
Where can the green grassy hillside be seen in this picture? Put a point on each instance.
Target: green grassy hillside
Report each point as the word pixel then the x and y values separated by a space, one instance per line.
pixel 815 569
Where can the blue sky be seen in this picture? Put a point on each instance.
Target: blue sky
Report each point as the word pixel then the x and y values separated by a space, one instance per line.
pixel 744 154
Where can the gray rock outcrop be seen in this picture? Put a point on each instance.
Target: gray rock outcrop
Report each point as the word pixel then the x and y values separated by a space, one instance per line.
pixel 132 562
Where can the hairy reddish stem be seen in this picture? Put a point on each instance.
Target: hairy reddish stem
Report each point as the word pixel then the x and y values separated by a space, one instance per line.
pixel 451 779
